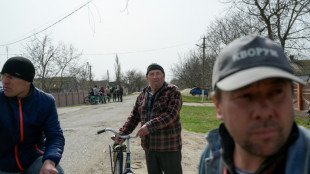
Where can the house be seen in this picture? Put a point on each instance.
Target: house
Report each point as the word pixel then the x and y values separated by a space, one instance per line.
pixel 302 70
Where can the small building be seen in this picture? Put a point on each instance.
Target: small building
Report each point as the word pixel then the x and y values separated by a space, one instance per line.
pixel 302 70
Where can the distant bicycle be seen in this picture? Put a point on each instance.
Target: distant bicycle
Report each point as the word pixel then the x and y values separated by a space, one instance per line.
pixel 116 153
pixel 91 99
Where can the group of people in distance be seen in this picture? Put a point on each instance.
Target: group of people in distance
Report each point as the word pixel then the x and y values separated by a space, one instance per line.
pixel 253 97
pixel 104 95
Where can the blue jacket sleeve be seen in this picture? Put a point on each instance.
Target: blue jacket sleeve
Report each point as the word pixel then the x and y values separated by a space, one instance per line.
pixel 55 140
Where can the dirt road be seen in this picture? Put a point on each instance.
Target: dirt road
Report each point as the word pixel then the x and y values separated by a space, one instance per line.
pixel 88 153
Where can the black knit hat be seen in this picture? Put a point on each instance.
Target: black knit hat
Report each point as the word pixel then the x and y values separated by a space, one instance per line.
pixel 154 66
pixel 19 67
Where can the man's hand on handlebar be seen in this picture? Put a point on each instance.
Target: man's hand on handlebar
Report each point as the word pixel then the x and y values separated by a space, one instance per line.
pixel 117 136
pixel 118 140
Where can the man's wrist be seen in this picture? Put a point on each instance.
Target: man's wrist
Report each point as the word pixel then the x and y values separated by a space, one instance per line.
pixel 48 161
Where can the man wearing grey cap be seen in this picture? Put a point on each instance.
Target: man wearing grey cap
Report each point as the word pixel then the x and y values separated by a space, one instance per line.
pixel 253 83
pixel 31 140
pixel 158 109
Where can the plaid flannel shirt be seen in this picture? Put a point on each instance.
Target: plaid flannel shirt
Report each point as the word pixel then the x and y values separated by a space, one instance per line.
pixel 164 124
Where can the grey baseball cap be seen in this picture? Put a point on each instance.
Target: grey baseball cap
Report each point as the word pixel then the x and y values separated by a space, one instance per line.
pixel 249 59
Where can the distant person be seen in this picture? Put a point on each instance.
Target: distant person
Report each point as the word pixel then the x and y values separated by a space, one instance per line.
pixel 96 94
pixel 95 90
pixel 91 92
pixel 108 91
pixel 114 91
pixel 253 83
pixel 102 95
pixel 117 93
pixel 31 137
pixel 158 109
pixel 120 93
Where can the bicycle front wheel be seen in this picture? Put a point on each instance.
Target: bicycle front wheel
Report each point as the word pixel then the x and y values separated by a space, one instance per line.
pixel 118 165
pixel 86 99
pixel 112 153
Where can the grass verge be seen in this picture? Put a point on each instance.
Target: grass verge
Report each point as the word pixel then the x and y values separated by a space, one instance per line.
pixel 195 99
pixel 198 118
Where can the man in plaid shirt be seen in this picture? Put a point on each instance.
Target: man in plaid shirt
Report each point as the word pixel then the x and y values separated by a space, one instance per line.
pixel 158 109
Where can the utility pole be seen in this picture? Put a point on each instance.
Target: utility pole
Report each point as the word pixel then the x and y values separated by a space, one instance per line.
pixel 90 73
pixel 88 70
pixel 203 67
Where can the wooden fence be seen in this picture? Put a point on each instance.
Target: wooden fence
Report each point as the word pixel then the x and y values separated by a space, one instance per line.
pixel 70 98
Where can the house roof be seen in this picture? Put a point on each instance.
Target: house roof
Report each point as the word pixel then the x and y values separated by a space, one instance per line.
pixel 301 67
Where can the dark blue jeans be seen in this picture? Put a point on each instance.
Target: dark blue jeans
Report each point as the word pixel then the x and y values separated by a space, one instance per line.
pixel 34 168
pixel 164 162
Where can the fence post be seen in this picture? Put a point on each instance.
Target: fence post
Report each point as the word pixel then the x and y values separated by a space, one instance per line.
pixel 299 96
pixel 72 98
pixel 58 99
pixel 78 98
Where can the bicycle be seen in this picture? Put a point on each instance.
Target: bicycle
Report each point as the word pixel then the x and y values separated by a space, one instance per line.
pixel 116 153
pixel 91 99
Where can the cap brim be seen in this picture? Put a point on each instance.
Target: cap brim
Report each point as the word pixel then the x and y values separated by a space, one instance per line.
pixel 248 76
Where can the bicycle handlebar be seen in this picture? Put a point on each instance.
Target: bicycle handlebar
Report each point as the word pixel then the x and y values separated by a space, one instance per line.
pixel 116 133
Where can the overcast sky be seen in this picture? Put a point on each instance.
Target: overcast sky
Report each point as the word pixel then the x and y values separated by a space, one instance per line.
pixel 147 31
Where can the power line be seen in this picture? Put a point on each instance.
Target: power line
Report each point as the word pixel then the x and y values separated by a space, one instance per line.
pixel 127 52
pixel 48 27
pixel 139 51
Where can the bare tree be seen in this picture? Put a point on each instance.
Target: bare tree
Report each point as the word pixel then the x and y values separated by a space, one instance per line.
pixel 108 76
pixel 188 70
pixel 224 30
pixel 285 21
pixel 78 78
pixel 135 81
pixel 57 67
pixel 220 32
pixel 44 56
pixel 67 63
pixel 117 69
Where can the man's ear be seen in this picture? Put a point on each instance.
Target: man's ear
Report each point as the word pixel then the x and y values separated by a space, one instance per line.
pixel 218 108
